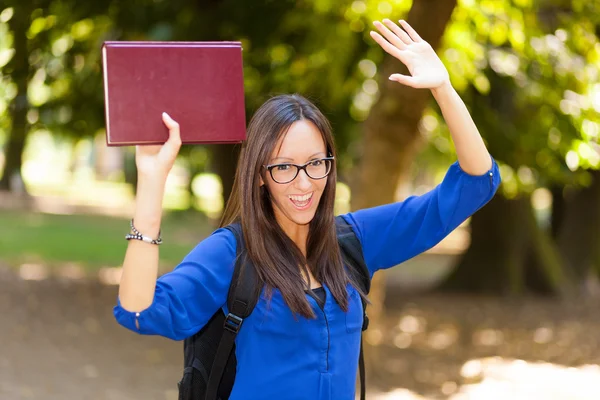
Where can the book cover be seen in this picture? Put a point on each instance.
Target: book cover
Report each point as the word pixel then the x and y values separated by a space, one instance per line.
pixel 199 84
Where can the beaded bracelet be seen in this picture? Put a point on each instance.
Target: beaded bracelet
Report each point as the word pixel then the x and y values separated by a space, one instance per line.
pixel 138 235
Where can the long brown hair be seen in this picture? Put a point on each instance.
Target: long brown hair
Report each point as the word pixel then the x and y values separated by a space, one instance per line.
pixel 278 260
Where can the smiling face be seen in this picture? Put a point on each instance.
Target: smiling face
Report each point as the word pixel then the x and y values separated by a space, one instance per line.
pixel 295 203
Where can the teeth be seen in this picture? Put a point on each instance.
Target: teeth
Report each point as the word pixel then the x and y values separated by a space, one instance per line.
pixel 306 197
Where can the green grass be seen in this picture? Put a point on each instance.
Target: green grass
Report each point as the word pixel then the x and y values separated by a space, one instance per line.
pixel 91 241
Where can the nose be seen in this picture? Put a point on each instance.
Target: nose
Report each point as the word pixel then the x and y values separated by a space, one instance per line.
pixel 302 181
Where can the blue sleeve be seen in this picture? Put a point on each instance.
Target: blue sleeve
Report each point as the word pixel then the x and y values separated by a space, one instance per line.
pixel 187 297
pixel 394 233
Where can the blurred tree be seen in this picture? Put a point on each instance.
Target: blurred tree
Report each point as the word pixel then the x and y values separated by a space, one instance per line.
pixel 54 67
pixel 19 69
pixel 576 226
pixel 529 74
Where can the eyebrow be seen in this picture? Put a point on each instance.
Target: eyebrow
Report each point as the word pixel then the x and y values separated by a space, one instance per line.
pixel 291 159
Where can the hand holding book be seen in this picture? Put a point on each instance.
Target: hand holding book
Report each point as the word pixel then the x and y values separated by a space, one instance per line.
pixel 153 165
pixel 155 161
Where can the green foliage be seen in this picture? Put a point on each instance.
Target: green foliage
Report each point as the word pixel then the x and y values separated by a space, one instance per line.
pixel 65 92
pixel 529 74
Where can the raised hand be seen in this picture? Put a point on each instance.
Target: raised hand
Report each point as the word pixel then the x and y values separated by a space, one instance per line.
pixel 426 69
pixel 157 160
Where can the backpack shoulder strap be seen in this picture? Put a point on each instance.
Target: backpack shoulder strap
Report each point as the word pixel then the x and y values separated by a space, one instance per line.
pixel 245 287
pixel 352 253
pixel 244 292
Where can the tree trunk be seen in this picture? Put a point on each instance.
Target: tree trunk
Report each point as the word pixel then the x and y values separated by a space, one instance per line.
pixel 596 261
pixel 224 163
pixel 130 170
pixel 579 234
pixel 390 141
pixel 493 262
pixel 18 68
pixel 506 241
pixel 558 209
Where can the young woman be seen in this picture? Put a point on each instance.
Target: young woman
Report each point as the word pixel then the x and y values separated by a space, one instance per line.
pixel 298 345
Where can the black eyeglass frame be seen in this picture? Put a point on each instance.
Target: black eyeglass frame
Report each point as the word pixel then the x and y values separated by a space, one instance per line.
pixel 300 168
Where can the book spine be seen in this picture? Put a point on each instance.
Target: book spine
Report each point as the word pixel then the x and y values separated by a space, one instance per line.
pixel 106 104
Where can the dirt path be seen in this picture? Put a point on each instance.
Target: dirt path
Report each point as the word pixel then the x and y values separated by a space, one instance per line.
pixel 59 341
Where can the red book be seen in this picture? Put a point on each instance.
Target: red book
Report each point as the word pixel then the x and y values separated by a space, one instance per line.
pixel 199 84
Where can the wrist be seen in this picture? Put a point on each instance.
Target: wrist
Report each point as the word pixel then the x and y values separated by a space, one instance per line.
pixel 444 89
pixel 151 179
pixel 148 205
pixel 150 189
pixel 137 235
pixel 148 225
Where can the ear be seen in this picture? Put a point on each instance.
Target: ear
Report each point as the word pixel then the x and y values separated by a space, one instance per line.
pixel 262 183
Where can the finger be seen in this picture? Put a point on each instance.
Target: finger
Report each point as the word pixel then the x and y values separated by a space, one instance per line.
pixel 174 134
pixel 404 79
pixel 399 32
pixel 387 46
pixel 409 29
pixel 389 35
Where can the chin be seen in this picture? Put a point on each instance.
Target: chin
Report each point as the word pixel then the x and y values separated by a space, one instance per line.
pixel 300 218
pixel 305 220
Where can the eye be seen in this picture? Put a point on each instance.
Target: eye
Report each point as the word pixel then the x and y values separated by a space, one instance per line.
pixel 283 167
pixel 316 163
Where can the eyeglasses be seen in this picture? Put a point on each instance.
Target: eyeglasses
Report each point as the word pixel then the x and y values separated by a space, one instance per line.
pixel 315 169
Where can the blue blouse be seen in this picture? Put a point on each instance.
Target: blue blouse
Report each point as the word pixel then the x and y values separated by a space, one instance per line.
pixel 280 355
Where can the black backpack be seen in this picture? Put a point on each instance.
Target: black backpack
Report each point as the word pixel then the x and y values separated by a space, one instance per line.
pixel 209 355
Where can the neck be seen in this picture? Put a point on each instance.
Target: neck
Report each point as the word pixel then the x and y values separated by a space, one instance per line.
pixel 298 233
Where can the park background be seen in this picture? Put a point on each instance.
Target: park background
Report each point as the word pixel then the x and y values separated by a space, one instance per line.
pixel 505 307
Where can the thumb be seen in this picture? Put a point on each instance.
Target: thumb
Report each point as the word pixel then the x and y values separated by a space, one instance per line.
pixel 403 79
pixel 174 134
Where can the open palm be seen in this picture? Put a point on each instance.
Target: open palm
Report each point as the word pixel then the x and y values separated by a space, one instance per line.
pixel 425 67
